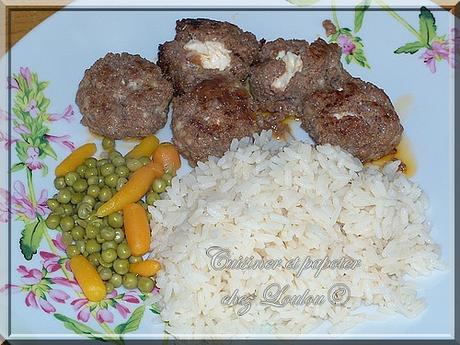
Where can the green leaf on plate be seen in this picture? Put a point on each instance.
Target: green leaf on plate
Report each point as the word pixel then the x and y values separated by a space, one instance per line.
pixel 303 2
pixel 17 167
pixel 410 48
pixel 360 10
pixel 43 85
pixel 78 327
pixel 48 150
pixel 133 322
pixel 31 238
pixel 155 309
pixel 427 26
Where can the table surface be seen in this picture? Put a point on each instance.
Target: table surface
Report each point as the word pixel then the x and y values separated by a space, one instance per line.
pixel 27 18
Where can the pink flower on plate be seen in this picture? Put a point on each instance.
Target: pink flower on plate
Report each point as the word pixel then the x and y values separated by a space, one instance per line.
pixel 23 206
pixel 13 83
pixel 7 142
pixel 50 261
pixel 347 44
pixel 58 295
pixel 33 161
pixel 32 108
pixel 67 115
pixel 65 282
pixel 104 315
pixel 25 72
pixel 22 129
pixel 61 140
pixel 30 277
pixel 4 208
pixel 59 243
pixel 442 50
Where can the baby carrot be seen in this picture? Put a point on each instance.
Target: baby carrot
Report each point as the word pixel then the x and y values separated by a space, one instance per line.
pixel 166 154
pixel 145 148
pixel 137 229
pixel 146 268
pixel 76 158
pixel 133 190
pixel 87 277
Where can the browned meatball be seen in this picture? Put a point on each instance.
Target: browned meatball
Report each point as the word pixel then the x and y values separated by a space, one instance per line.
pixel 289 70
pixel 203 49
pixel 124 95
pixel 208 118
pixel 359 118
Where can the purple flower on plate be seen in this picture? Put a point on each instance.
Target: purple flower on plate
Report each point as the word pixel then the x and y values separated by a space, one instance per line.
pixel 65 282
pixel 25 72
pixel 347 44
pixel 23 206
pixel 32 108
pixel 50 261
pixel 22 129
pixel 103 313
pixel 61 140
pixel 442 50
pixel 59 243
pixel 4 115
pixel 7 142
pixel 33 161
pixel 67 115
pixel 4 208
pixel 13 83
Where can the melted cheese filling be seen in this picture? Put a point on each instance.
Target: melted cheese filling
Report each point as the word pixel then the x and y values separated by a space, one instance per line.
pixel 293 64
pixel 213 55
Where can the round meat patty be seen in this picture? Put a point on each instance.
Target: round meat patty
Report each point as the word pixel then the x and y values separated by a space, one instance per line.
pixel 288 70
pixel 124 95
pixel 359 118
pixel 208 118
pixel 203 49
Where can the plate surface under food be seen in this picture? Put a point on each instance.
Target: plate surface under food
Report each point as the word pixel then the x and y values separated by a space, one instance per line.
pixel 58 52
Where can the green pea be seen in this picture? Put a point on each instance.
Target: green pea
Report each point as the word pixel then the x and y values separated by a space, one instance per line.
pixel 93 191
pixel 81 222
pixel 67 223
pixel 167 178
pixel 88 199
pixel 92 231
pixel 80 185
pixel 159 185
pixel 109 255
pixel 151 198
pixel 76 198
pixel 91 162
pixel 107 169
pixel 59 183
pixel 59 211
pixel 105 194
pixel 170 171
pixel 52 204
pixel 81 245
pixel 105 273
pixel 121 182
pixel 123 251
pixel 92 246
pixel 91 172
pixel 144 160
pixel 105 263
pixel 118 162
pixel 122 171
pixel 102 162
pixel 145 284
pixel 78 233
pixel 72 251
pixel 130 281
pixel 107 234
pixel 100 239
pixel 113 154
pixel 97 205
pixel 67 238
pixel 116 280
pixel 121 266
pixel 70 178
pixel 92 180
pixel 53 221
pixel 109 286
pixel 115 220
pixel 108 144
pixel 134 259
pixel 119 235
pixel 64 196
pixel 94 258
pixel 133 164
pixel 81 169
pixel 111 180
pixel 109 245
pixel 84 210
pixel 68 209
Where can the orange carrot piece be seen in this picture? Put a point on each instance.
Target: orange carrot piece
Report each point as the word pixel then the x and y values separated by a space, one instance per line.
pixel 146 147
pixel 167 155
pixel 146 268
pixel 87 277
pixel 76 158
pixel 137 229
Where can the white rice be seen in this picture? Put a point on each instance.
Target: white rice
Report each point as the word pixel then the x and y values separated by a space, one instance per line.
pixel 277 200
